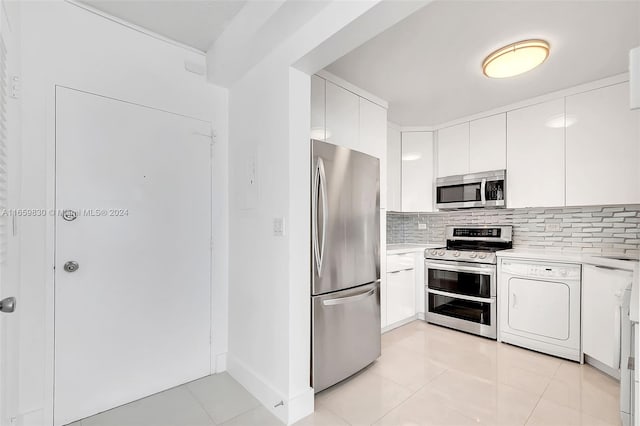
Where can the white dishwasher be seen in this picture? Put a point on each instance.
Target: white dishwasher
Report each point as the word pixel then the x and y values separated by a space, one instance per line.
pixel 539 306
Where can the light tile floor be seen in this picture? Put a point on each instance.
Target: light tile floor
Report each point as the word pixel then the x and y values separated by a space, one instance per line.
pixel 427 375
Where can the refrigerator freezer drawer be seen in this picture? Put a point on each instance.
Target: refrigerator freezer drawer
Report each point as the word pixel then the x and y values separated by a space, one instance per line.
pixel 345 333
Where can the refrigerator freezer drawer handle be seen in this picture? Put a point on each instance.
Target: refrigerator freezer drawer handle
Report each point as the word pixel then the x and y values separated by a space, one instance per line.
pixel 349 299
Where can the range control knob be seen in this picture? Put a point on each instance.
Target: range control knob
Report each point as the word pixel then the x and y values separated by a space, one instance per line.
pixel 473 255
pixel 433 252
pixel 456 254
pixel 482 255
pixel 441 253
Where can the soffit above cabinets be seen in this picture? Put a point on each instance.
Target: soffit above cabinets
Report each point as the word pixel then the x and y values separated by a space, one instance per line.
pixel 193 23
pixel 429 66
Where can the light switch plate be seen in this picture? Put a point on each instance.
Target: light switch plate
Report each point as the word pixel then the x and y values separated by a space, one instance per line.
pixel 278 227
pixel 422 226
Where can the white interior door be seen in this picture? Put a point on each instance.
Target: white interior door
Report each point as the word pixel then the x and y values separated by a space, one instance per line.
pixel 134 318
pixel 9 261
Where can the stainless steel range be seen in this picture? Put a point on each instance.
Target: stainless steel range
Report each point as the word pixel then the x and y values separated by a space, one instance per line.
pixel 460 281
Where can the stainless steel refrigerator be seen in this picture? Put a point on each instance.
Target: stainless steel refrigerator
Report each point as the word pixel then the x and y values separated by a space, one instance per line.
pixel 345 251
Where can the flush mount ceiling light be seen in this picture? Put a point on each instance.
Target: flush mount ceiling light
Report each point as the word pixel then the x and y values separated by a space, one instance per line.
pixel 516 58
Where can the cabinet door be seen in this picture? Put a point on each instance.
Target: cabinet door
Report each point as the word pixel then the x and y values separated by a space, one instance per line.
pixel 453 150
pixel 417 171
pixel 342 117
pixel 488 143
pixel 602 291
pixel 383 301
pixel 535 156
pixel 603 148
pixel 401 296
pixel 394 172
pixel 317 107
pixel 373 139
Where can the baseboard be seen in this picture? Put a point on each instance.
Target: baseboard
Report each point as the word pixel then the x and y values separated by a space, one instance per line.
pixel 220 363
pixel 602 367
pixel 288 411
pixel 301 405
pixel 401 323
pixel 422 316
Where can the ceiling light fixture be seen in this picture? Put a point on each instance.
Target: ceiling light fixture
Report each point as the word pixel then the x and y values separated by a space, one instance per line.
pixel 516 58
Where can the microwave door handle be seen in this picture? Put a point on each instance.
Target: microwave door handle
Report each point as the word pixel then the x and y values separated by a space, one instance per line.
pixel 483 189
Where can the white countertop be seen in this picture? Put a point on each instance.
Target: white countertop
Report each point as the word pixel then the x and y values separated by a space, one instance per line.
pixel 409 248
pixel 568 257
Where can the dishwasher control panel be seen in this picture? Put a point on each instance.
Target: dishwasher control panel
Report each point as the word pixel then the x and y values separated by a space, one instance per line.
pixel 543 270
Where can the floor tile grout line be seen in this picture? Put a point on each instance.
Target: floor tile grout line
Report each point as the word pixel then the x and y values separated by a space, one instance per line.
pixel 409 397
pixel 540 397
pixel 332 412
pixel 193 395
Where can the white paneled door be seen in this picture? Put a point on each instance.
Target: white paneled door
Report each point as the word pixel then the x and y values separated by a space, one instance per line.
pixel 132 252
pixel 9 241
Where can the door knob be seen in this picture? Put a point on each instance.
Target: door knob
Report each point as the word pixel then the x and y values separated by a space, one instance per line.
pixel 71 266
pixel 8 305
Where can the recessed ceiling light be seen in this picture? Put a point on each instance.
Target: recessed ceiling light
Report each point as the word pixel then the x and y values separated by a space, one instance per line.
pixel 516 58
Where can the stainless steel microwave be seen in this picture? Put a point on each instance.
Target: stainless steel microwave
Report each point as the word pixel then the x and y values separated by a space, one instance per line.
pixel 487 189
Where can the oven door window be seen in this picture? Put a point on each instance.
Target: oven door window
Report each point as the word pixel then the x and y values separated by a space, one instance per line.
pixel 467 283
pixel 459 193
pixel 478 312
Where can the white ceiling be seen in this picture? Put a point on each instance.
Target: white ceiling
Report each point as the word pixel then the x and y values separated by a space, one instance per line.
pixel 196 23
pixel 429 66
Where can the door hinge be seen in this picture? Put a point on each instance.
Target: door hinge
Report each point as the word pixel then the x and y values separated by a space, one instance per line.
pixel 631 363
pixel 14 91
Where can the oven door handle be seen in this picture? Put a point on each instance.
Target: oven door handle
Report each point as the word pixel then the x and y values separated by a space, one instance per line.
pixel 460 268
pixel 462 296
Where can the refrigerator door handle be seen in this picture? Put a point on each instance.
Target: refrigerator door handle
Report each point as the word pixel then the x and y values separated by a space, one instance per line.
pixel 314 217
pixel 325 212
pixel 349 299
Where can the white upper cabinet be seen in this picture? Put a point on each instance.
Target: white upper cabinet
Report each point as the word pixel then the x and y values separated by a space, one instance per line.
pixel 453 150
pixel 394 171
pixel 603 148
pixel 342 116
pixel 535 156
pixel 373 139
pixel 373 129
pixel 317 107
pixel 488 143
pixel 417 171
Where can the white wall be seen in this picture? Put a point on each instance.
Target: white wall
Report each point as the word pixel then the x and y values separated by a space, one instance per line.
pixel 269 283
pixel 63 44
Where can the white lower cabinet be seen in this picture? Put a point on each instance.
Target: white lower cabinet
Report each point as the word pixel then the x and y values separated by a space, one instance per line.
pixel 602 292
pixel 401 295
pixel 398 295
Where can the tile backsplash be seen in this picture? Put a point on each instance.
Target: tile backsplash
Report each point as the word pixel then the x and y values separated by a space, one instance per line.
pixel 608 230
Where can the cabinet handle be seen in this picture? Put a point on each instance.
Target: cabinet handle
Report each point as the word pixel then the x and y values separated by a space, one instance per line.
pixel 513 304
pixel 401 270
pixel 617 325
